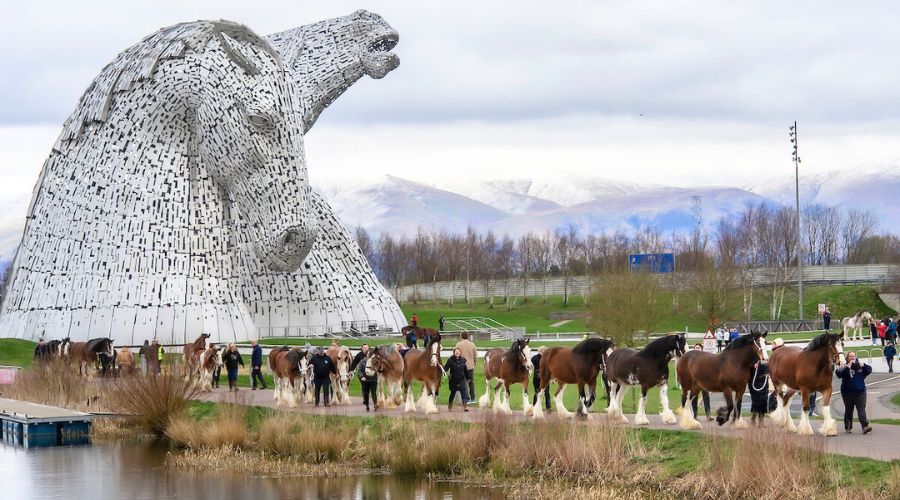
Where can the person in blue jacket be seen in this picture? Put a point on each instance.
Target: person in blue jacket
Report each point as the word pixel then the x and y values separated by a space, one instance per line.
pixel 256 365
pixel 853 391
pixel 889 352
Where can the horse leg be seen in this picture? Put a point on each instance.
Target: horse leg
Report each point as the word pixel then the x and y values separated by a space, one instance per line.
pixel 504 407
pixel 620 396
pixel 429 405
pixel 788 420
pixel 538 409
pixel 667 416
pixel 498 398
pixel 558 401
pixel 526 401
pixel 828 427
pixel 688 420
pixel 582 401
pixel 641 417
pixel 611 393
pixel 738 421
pixel 805 429
pixel 410 404
pixel 729 407
pixel 485 401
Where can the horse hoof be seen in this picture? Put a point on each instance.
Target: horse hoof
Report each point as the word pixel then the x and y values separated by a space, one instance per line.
pixel 641 421
pixel 740 425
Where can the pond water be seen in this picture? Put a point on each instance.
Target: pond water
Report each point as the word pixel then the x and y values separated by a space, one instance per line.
pixel 138 470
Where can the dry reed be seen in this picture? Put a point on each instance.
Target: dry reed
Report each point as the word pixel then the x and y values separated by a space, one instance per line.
pixel 310 440
pixel 227 429
pixel 57 384
pixel 152 401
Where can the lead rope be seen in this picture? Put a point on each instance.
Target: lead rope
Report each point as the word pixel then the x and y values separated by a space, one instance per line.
pixel 753 382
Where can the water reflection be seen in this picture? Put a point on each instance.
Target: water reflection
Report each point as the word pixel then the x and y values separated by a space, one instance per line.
pixel 138 470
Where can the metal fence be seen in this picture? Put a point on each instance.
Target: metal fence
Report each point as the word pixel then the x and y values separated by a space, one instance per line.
pixel 556 285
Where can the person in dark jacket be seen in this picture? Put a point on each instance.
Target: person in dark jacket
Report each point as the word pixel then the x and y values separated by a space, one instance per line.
pixel 412 341
pixel 759 393
pixel 441 323
pixel 536 381
pixel 41 352
pixel 456 372
pixel 826 319
pixel 853 390
pixel 873 329
pixel 232 358
pixel 368 379
pixel 322 367
pixel 889 352
pixel 256 365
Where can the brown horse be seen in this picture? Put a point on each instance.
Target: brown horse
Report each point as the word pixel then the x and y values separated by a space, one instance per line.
pixel 578 365
pixel 420 332
pixel 648 368
pixel 806 370
pixel 340 381
pixel 424 365
pixel 86 354
pixel 508 367
pixel 727 373
pixel 388 363
pixel 289 367
pixel 192 353
pixel 125 361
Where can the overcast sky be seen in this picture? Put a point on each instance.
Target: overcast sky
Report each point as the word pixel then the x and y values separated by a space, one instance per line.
pixel 671 92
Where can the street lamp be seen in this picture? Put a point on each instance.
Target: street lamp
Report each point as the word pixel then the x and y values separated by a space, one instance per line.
pixel 796 157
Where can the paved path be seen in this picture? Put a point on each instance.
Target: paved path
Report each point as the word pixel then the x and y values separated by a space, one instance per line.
pixel 882 443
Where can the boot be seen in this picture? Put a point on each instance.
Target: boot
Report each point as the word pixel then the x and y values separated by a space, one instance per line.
pixel 450 406
pixel 465 406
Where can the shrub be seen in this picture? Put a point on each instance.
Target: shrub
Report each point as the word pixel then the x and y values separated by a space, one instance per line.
pixel 151 401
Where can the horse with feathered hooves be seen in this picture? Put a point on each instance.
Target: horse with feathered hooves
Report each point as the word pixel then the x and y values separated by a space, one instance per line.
pixel 289 366
pixel 192 354
pixel 87 354
pixel 855 324
pixel 508 367
pixel 340 381
pixel 727 373
pixel 424 365
pixel 387 362
pixel 808 370
pixel 648 368
pixel 579 365
pixel 206 365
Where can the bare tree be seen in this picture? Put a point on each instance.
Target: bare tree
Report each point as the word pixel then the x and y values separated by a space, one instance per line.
pixel 525 256
pixel 366 246
pixel 858 224
pixel 543 259
pixel 565 249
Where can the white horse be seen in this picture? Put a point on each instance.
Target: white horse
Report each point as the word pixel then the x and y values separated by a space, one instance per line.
pixel 855 323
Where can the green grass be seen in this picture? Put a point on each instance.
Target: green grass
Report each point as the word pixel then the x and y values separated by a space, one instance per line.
pixel 896 399
pixel 534 314
pixel 16 352
pixel 886 421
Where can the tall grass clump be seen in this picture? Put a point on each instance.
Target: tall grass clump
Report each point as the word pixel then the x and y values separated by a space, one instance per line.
pixel 308 439
pixel 152 401
pixel 764 465
pixel 55 383
pixel 422 448
pixel 227 428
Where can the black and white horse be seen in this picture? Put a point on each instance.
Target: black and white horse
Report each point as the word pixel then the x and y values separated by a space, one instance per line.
pixel 648 368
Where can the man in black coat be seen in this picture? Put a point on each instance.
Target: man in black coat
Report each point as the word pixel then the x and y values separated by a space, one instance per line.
pixel 231 359
pixel 826 319
pixel 256 366
pixel 368 379
pixel 456 372
pixel 322 367
pixel 536 381
pixel 41 352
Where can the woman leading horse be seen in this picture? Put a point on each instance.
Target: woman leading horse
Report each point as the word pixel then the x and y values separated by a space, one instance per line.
pixel 727 373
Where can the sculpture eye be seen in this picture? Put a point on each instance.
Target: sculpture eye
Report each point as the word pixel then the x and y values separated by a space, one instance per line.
pixel 261 122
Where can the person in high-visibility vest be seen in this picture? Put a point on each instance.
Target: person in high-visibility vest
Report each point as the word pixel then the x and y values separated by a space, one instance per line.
pixel 159 357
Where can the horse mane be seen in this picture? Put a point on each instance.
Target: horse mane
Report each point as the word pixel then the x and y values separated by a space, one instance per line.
pixel 295 355
pixel 657 348
pixel 137 64
pixel 740 342
pixel 592 346
pixel 387 349
pixel 817 342
pixel 90 345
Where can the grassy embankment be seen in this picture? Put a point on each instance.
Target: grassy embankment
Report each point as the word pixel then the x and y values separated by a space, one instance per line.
pixel 534 314
pixel 554 459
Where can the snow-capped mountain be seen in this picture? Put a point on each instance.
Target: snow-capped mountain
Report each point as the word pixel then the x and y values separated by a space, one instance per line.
pixel 594 205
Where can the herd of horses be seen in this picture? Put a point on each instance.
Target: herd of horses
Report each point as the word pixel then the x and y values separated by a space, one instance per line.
pixel 792 370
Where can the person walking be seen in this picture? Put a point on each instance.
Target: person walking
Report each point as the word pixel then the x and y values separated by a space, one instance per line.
pixel 759 394
pixel 414 321
pixel 323 367
pixel 412 340
pixel 441 323
pixel 456 372
pixel 160 355
pixel 853 391
pixel 232 359
pixel 145 354
pixel 368 379
pixel 217 369
pixel 470 353
pixel 256 365
pixel 41 352
pixel 873 329
pixel 536 379
pixel 826 319
pixel 889 352
pixel 882 329
pixel 720 338
pixel 890 335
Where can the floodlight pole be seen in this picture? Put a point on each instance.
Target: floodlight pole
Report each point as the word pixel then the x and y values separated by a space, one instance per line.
pixel 796 156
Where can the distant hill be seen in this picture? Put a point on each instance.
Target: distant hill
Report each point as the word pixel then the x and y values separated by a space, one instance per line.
pixel 593 204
